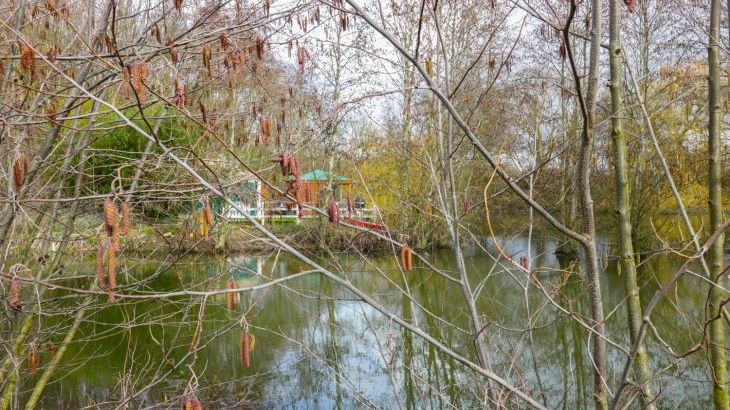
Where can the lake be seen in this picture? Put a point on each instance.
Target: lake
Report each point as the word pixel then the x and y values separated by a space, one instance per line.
pixel 318 347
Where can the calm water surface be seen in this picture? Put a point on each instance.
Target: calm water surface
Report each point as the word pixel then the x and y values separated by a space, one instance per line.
pixel 316 347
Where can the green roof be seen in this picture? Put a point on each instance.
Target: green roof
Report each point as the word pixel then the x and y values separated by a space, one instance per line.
pixel 319 175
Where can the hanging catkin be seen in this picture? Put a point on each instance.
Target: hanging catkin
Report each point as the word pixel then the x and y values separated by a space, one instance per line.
pixel 52 349
pixel 125 82
pixel 203 113
pixel 157 33
pixel 295 171
pixel 173 51
pixel 246 348
pixel 206 60
pixel 208 214
pixel 27 57
pixel 100 270
pixel 466 205
pixel 15 294
pixel 179 99
pixel 17 177
pixel 20 170
pixel 191 403
pixel 110 216
pixel 116 230
pixel 33 358
pixel 302 55
pixel 139 76
pixel 406 257
pixel 284 159
pixel 111 264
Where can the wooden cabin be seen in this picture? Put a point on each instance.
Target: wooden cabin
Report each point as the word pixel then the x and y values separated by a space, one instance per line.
pixel 314 189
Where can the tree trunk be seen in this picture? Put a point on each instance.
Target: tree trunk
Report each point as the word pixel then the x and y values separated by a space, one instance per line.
pixel 586 202
pixel 623 207
pixel 716 296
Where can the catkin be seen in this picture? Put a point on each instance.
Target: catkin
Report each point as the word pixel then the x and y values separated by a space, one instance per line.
pixel 208 214
pixel 245 347
pixel 302 55
pixel 110 216
pixel 179 99
pixel 15 294
pixel 139 76
pixel 406 256
pixel 157 33
pixel 111 264
pixel 125 82
pixel 206 59
pixel 19 172
pixel 284 159
pixel 27 57
pixel 33 358
pixel 100 270
pixel 52 349
pixel 173 52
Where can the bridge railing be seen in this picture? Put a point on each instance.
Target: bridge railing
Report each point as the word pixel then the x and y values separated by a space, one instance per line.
pixel 233 214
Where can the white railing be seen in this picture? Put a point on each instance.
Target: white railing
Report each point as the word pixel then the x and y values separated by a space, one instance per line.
pixel 360 213
pixel 233 214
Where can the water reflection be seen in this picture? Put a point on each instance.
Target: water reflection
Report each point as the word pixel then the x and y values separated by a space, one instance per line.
pixel 316 347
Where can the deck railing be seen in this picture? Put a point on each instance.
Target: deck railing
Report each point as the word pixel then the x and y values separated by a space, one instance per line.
pixel 232 214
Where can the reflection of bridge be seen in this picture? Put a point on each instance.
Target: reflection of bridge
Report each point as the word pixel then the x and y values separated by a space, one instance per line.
pixel 244 268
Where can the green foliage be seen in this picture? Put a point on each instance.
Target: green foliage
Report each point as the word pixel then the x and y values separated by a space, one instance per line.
pixel 117 152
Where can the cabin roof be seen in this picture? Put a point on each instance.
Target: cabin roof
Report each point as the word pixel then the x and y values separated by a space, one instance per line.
pixel 319 175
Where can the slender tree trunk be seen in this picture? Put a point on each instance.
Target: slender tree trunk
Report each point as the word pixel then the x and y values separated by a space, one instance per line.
pixel 53 365
pixel 716 296
pixel 598 347
pixel 623 207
